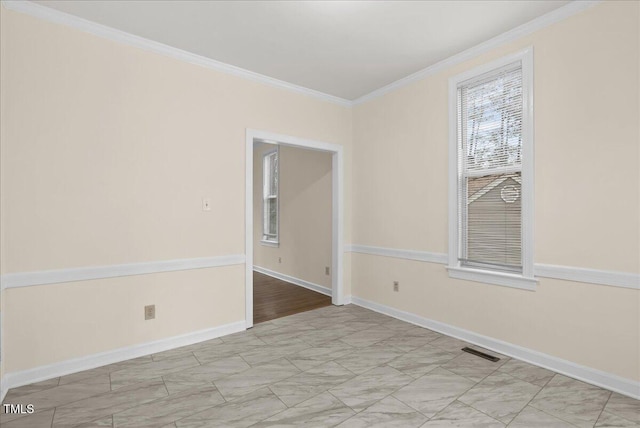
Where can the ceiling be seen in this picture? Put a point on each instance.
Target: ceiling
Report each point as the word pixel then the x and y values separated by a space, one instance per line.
pixel 342 48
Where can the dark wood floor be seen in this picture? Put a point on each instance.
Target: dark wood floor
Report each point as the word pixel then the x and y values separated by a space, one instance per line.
pixel 273 298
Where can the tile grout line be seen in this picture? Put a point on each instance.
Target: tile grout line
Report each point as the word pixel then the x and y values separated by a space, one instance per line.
pixel 557 417
pixel 355 412
pixel 518 413
pixel 584 383
pixel 283 403
pixel 604 407
pixel 543 411
pixel 53 417
pixel 69 402
pixel 165 386
pixel 529 402
pixel 460 395
pixel 468 405
pixel 224 401
pixel 34 392
pixel 525 380
pixel 197 359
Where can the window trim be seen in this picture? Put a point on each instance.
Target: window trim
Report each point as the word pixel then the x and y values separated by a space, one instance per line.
pixel 264 240
pixel 526 280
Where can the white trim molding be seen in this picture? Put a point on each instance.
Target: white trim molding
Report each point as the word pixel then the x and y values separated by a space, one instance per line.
pixel 52 15
pixel 532 26
pixel 253 136
pixel 421 256
pixel 590 375
pixel 62 368
pixel 591 276
pixel 119 36
pixel 27 279
pixel 457 172
pixel 293 280
pixel 568 273
pixel 496 278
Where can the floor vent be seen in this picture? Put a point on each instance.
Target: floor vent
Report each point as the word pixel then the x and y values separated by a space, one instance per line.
pixel 481 354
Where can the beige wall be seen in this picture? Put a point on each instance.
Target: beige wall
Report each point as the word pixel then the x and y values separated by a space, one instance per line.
pixel 305 214
pixel 586 196
pixel 107 152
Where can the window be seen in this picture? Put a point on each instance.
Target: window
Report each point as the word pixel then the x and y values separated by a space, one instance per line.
pixel 491 173
pixel 270 198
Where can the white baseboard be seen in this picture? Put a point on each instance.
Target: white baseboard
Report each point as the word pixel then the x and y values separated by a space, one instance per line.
pixel 297 281
pixel 596 377
pixel 62 368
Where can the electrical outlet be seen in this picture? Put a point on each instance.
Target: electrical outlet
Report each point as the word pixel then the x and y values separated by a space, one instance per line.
pixel 149 312
pixel 206 205
pixel 279 259
pixel 327 270
pixel 396 286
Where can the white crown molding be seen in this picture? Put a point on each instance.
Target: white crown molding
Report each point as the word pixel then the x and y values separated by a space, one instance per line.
pixel 590 375
pixel 55 16
pixel 534 25
pixel 293 280
pixel 27 279
pixel 103 31
pixel 568 273
pixel 62 368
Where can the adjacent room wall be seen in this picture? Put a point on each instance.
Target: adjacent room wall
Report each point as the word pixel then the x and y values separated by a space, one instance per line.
pixel 305 214
pixel 107 153
pixel 586 196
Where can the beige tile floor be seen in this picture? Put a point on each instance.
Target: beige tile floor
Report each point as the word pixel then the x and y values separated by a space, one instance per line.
pixel 334 366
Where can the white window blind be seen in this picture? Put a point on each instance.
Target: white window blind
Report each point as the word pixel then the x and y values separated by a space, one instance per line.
pixel 270 197
pixel 489 120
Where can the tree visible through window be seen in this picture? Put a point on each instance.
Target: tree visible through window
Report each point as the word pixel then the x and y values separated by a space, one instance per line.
pixel 270 197
pixel 491 173
pixel 490 166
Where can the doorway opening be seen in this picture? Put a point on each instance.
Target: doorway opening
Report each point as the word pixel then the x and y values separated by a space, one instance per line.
pixel 260 147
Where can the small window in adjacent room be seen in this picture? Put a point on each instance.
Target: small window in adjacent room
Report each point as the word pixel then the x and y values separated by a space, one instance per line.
pixel 270 198
pixel 491 173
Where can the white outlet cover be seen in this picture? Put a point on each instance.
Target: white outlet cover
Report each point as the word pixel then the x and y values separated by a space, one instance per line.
pixel 206 204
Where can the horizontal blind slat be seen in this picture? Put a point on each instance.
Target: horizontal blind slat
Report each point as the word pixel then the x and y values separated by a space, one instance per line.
pixel 490 113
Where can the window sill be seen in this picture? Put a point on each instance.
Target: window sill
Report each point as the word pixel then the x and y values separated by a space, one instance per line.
pixel 275 244
pixel 496 278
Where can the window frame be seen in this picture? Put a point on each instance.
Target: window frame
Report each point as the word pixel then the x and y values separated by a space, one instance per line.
pixel 526 280
pixel 270 240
